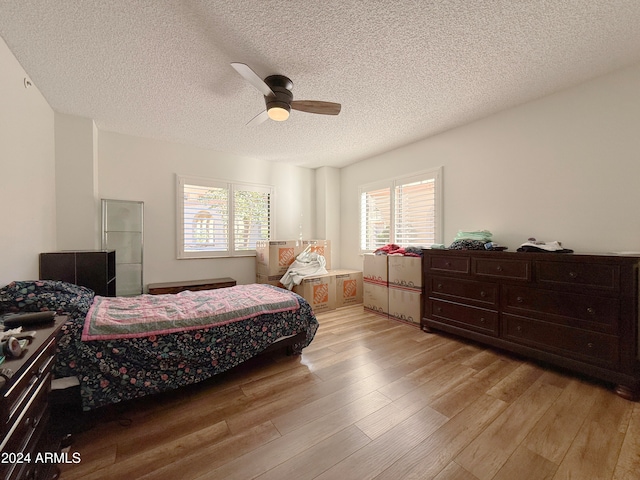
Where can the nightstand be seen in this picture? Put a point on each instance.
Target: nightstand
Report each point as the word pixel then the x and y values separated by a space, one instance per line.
pixel 27 450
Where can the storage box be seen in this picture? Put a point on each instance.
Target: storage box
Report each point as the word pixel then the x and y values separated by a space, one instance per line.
pixel 375 269
pixel 405 272
pixel 273 280
pixel 376 298
pixel 405 305
pixel 319 291
pixel 321 247
pixel 348 287
pixel 273 257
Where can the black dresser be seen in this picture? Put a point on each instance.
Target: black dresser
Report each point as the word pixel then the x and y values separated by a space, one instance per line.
pixel 94 269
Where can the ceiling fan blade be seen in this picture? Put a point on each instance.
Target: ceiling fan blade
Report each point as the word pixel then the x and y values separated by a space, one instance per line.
pixel 258 119
pixel 253 78
pixel 314 106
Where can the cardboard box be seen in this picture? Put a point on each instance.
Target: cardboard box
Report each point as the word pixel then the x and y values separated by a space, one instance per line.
pixel 376 298
pixel 273 280
pixel 374 269
pixel 321 247
pixel 273 257
pixel 319 291
pixel 405 305
pixel 348 287
pixel 405 272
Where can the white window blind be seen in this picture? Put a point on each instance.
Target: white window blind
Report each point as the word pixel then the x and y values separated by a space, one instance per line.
pixel 375 218
pixel 217 218
pixel 405 211
pixel 415 217
pixel 251 216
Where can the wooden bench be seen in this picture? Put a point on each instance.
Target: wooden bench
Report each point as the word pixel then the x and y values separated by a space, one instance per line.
pixel 193 285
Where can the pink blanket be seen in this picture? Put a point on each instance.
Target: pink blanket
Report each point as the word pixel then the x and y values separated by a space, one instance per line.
pixel 129 317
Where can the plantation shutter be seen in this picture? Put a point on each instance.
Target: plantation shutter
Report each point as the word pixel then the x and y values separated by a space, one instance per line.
pixel 406 211
pixel 217 218
pixel 415 204
pixel 205 218
pixel 252 214
pixel 375 218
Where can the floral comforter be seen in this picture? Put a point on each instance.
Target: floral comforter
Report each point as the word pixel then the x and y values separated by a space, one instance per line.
pixel 111 371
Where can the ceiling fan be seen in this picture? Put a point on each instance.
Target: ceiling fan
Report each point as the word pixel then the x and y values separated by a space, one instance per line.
pixel 279 99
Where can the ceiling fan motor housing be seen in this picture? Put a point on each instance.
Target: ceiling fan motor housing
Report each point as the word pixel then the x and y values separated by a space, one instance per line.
pixel 281 87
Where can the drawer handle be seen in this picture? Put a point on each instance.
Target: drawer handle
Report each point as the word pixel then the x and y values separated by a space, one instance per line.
pixel 591 311
pixel 519 299
pixel 482 320
pixel 590 345
pixel 519 328
pixel 573 275
pixel 438 309
pixel 447 264
pixel 31 422
pixel 499 268
pixel 439 286
pixel 483 294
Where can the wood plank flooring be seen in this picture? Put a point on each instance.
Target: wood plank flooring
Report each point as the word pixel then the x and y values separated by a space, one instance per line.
pixel 371 398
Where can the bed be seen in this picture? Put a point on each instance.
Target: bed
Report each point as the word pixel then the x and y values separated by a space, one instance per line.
pixel 115 365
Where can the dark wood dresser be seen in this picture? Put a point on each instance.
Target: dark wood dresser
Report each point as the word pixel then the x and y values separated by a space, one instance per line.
pixel 27 448
pixel 574 311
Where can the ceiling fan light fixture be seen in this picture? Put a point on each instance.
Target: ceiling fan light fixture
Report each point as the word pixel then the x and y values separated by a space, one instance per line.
pixel 279 114
pixel 279 98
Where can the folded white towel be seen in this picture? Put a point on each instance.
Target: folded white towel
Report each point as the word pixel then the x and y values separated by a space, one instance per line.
pixel 306 264
pixel 549 246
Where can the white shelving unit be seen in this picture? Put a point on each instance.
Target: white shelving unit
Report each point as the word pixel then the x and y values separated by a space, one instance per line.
pixel 122 231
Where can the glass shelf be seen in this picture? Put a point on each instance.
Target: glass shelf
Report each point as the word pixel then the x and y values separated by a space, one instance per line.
pixel 122 231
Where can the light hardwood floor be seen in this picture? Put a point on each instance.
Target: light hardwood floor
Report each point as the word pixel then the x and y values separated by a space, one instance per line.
pixel 371 398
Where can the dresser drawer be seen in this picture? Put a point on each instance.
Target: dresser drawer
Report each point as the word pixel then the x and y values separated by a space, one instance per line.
pixel 21 430
pixel 457 289
pixel 448 263
pixel 478 319
pixel 585 311
pixel 21 391
pixel 583 345
pixel 579 274
pixel 502 268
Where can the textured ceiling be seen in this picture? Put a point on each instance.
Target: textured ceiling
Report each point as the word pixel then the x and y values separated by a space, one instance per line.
pixel 403 70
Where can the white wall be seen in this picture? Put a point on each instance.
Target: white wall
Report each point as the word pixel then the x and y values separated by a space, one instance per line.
pixel 565 167
pixel 327 203
pixel 27 169
pixel 134 168
pixel 77 204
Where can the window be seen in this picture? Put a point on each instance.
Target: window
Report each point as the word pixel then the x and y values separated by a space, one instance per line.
pixel 218 218
pixel 405 211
